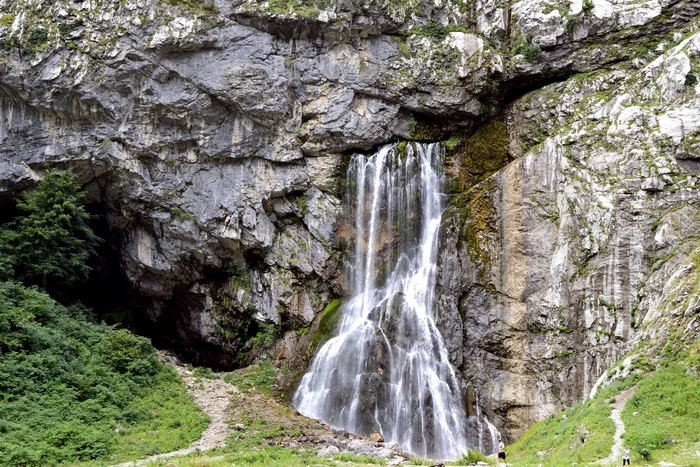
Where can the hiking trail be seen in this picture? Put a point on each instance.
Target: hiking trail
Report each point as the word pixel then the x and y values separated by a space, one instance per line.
pixel 214 397
pixel 616 416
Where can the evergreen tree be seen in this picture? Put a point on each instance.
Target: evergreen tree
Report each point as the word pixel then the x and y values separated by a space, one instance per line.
pixel 51 241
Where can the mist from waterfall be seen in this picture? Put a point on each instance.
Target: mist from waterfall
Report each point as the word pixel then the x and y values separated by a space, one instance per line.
pixel 387 369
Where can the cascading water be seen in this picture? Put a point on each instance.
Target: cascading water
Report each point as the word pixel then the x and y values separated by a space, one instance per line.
pixel 388 369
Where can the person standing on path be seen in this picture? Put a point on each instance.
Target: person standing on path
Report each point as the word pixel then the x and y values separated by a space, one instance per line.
pixel 501 451
pixel 626 456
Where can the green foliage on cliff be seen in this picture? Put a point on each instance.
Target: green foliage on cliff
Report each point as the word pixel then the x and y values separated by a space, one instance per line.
pixel 72 390
pixel 481 154
pixel 50 242
pixel 330 319
pixel 195 6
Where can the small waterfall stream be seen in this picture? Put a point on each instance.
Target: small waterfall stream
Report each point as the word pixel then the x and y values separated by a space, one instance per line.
pixel 388 369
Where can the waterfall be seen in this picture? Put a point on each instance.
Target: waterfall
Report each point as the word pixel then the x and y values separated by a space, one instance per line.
pixel 387 369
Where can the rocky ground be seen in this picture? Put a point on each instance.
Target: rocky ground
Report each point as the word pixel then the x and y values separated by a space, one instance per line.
pixel 239 416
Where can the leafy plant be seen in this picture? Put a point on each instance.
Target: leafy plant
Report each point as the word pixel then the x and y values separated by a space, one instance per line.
pixel 531 52
pixel 50 242
pixel 72 390
pixel 472 456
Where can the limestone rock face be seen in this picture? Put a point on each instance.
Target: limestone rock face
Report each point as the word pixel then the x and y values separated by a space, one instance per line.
pixel 556 265
pixel 215 136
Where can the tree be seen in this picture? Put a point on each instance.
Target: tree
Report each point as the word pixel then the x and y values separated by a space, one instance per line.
pixel 51 241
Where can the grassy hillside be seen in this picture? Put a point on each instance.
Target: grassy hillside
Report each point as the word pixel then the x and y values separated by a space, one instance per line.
pixel 73 391
pixel 662 419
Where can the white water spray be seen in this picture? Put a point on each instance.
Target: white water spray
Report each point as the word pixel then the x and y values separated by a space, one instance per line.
pixel 388 369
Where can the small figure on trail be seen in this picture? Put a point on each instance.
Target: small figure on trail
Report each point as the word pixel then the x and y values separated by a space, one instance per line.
pixel 501 451
pixel 626 457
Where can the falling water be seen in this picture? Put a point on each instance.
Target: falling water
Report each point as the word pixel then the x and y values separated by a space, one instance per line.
pixel 388 369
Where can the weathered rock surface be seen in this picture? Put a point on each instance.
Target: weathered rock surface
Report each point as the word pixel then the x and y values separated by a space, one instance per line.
pixel 555 266
pixel 214 136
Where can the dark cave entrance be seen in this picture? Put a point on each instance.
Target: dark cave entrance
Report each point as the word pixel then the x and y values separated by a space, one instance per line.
pixel 173 323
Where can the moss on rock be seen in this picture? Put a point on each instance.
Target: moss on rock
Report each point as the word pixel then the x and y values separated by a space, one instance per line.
pixel 327 324
pixel 480 155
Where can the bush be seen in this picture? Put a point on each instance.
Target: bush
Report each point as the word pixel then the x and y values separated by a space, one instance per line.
pixel 472 457
pixel 531 52
pixel 72 390
pixel 50 242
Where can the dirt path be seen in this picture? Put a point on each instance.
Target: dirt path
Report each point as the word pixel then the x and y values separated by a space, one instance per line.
pixel 615 415
pixel 214 397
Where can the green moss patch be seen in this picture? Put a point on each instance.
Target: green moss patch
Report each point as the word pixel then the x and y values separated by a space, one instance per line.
pixel 330 318
pixel 480 155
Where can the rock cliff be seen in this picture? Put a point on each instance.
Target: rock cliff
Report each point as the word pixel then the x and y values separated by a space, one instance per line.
pixel 214 136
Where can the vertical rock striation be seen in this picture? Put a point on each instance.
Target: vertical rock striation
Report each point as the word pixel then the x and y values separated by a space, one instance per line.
pixel 215 136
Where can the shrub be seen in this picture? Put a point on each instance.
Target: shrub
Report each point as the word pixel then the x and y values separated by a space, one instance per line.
pixel 531 52
pixel 50 242
pixel 72 390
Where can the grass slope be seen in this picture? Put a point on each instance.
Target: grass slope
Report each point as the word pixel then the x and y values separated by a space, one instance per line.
pixel 72 391
pixel 663 416
pixel 661 420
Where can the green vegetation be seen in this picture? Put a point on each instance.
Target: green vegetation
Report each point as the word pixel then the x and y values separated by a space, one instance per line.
pixel 531 52
pixel 7 20
pixel 481 154
pixel 582 434
pixel 203 372
pixel 255 378
pixel 72 390
pixel 472 457
pixel 437 30
pixel 36 40
pixel 328 324
pixel 265 337
pixel 660 418
pixel 199 7
pixel 404 49
pixel 305 9
pixel 50 242
pixel 667 404
pixel 180 214
pixel 452 143
pixel 691 79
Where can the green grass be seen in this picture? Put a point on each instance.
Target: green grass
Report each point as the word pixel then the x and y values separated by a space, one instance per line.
pixel 204 372
pixel 73 391
pixel 560 435
pixel 472 457
pixel 258 377
pixel 265 456
pixel 667 404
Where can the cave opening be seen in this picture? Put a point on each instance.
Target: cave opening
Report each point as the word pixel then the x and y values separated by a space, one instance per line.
pixel 171 323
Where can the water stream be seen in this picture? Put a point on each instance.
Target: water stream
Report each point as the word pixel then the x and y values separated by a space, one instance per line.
pixel 387 369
